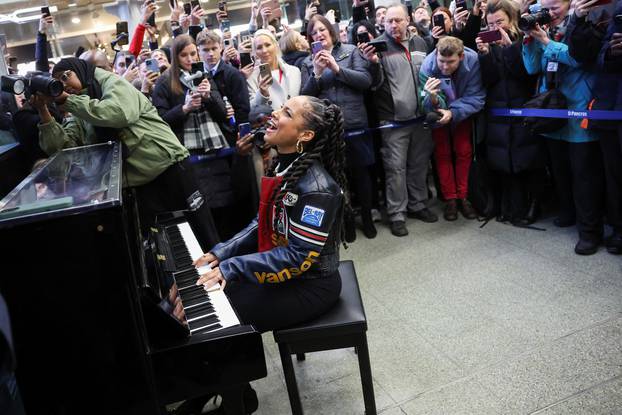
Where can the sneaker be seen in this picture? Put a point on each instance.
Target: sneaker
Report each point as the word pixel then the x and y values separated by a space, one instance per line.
pixel 398 228
pixel 467 210
pixel 586 247
pixel 451 210
pixel 614 244
pixel 424 215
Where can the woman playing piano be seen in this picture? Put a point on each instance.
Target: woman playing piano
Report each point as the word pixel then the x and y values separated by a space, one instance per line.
pixel 282 269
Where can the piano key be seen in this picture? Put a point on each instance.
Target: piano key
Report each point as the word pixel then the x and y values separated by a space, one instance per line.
pixel 194 248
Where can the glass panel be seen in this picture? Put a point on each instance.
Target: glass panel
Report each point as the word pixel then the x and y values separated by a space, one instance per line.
pixel 74 180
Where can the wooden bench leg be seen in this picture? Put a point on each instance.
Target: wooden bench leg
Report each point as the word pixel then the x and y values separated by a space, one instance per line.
pixel 290 379
pixel 366 379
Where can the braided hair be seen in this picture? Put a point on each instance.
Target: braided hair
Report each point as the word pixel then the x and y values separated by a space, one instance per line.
pixel 327 147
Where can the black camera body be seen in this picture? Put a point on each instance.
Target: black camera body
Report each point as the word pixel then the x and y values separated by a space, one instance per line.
pixel 529 21
pixel 32 83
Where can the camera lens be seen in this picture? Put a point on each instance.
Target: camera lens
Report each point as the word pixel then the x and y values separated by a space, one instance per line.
pixel 46 85
pixel 12 84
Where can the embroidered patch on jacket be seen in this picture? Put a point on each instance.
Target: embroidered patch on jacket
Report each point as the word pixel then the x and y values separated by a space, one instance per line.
pixel 312 215
pixel 290 199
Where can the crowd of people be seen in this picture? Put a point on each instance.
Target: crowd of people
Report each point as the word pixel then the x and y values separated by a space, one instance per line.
pixel 415 86
pixel 277 139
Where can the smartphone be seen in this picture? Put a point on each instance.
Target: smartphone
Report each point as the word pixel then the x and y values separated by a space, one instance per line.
pixel 434 4
pixel 265 72
pixel 122 27
pixel 195 3
pixel 337 15
pixel 363 37
pixel 602 2
pixel 225 25
pixel 439 20
pixel 152 65
pixel 227 42
pixel 187 9
pixel 489 36
pixel 194 30
pixel 379 45
pixel 461 3
pixel 151 20
pixel 245 59
pixel 316 47
pixel 244 129
pixel 45 11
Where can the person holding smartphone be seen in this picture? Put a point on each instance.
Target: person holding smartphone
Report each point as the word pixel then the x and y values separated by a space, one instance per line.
pixel 338 72
pixel 515 155
pixel 405 151
pixel 278 81
pixel 451 80
pixel 195 114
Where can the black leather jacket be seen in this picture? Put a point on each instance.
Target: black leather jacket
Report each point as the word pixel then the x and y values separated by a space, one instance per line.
pixel 309 234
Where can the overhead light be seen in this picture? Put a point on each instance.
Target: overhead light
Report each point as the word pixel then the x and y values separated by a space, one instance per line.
pixel 72 5
pixel 75 20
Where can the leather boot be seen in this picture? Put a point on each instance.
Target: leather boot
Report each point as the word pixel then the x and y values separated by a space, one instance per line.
pixel 532 213
pixel 467 209
pixel 350 228
pixel 369 230
pixel 451 210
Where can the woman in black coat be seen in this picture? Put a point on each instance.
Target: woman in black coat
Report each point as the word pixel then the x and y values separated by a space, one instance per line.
pixel 178 106
pixel 511 149
pixel 340 74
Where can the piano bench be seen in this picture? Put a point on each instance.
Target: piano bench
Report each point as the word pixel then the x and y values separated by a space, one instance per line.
pixel 342 326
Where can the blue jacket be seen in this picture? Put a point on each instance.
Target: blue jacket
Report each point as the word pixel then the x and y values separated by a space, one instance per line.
pixel 309 236
pixel 467 84
pixel 573 81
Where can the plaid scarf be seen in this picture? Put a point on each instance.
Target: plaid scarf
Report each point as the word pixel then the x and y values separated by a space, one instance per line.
pixel 201 132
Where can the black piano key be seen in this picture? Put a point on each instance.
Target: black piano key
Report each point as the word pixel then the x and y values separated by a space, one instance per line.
pixel 203 309
pixel 194 301
pixel 191 293
pixel 202 322
pixel 208 329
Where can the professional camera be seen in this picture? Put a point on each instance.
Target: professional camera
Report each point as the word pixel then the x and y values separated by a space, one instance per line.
pixel 536 15
pixel 32 83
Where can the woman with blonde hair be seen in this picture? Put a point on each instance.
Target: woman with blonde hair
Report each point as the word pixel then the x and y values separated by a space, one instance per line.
pixel 284 80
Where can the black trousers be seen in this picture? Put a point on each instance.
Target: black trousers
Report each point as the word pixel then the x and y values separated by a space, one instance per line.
pixel 518 189
pixel 579 180
pixel 274 306
pixel 611 145
pixel 174 189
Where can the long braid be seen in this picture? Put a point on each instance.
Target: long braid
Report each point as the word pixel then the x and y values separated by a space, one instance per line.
pixel 327 147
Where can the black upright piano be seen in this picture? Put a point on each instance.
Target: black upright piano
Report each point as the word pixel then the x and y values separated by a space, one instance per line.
pixel 106 320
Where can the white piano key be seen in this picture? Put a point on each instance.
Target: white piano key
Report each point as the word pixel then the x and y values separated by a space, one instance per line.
pixel 194 248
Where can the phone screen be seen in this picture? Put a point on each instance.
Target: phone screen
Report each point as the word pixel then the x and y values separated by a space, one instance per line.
pixel 195 3
pixel 151 20
pixel 264 71
pixel 194 30
pixel 45 11
pixel 225 25
pixel 245 59
pixel 316 47
pixel 362 37
pixel 439 20
pixel 244 129
pixel 187 8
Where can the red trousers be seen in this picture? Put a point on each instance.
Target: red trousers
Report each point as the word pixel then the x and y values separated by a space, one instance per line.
pixel 454 179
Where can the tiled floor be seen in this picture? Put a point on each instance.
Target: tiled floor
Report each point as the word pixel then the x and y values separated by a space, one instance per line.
pixel 470 320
